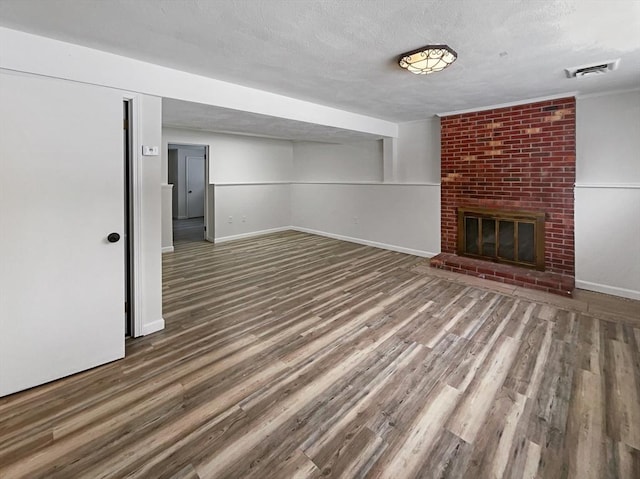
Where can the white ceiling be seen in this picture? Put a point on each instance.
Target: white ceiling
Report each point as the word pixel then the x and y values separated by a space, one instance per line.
pixel 343 53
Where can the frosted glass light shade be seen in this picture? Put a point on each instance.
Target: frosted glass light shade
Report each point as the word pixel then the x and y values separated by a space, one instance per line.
pixel 429 59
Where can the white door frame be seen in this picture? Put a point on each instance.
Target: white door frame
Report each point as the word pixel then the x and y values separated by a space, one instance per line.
pixel 137 306
pixel 209 213
pixel 209 200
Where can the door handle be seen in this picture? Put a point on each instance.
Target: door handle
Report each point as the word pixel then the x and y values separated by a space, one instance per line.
pixel 113 237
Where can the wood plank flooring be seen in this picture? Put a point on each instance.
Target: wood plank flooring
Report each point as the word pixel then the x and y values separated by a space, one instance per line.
pixel 298 356
pixel 189 229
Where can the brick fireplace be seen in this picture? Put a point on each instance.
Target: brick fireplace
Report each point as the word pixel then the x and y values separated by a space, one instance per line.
pixel 519 158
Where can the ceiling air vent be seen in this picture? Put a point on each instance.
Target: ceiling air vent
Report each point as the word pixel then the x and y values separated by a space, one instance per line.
pixel 594 69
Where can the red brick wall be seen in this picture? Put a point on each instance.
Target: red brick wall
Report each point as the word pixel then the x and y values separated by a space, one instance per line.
pixel 518 158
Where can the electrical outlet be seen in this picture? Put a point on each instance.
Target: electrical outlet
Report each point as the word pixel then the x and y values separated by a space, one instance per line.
pixel 244 219
pixel 230 219
pixel 355 220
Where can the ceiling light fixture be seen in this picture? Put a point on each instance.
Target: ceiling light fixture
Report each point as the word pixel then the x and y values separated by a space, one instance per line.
pixel 429 59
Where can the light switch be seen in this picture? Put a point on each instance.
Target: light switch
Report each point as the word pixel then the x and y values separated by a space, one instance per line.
pixel 150 151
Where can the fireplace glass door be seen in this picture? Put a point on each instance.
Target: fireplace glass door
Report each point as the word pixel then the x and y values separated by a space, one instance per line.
pixel 502 236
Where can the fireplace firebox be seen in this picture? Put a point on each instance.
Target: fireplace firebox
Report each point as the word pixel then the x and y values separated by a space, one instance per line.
pixel 513 237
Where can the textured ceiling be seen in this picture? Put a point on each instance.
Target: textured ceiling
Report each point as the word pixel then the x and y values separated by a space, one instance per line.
pixel 343 53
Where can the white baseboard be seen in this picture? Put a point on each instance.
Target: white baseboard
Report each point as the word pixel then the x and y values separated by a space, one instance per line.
pixel 375 244
pixel 210 239
pixel 167 249
pixel 390 247
pixel 612 290
pixel 152 327
pixel 251 234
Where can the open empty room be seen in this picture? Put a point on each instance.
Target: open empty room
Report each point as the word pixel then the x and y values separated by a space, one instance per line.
pixel 319 239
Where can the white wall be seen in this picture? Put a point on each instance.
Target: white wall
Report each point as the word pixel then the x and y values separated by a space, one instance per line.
pixel 357 161
pixel 242 159
pixel 148 230
pixel 236 158
pixel 607 196
pixel 250 209
pixel 608 139
pixel 393 216
pixel 606 234
pixel 419 151
pixel 328 196
pixel 251 177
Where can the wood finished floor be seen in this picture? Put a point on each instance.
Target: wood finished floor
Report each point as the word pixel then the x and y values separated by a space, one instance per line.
pixel 297 356
pixel 189 229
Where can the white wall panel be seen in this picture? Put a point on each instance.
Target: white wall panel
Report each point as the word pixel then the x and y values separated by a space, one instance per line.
pixel 607 195
pixel 358 161
pixel 245 159
pixel 608 138
pixel 149 228
pixel 236 158
pixel 419 151
pixel 607 237
pixel 244 210
pixel 400 217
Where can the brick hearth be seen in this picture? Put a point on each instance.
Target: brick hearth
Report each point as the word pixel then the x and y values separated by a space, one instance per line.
pixel 505 273
pixel 515 158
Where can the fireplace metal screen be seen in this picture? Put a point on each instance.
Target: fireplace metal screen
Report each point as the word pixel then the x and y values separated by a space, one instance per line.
pixel 514 237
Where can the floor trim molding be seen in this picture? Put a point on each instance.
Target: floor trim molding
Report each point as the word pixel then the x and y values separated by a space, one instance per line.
pixel 251 234
pixel 604 288
pixel 153 326
pixel 375 244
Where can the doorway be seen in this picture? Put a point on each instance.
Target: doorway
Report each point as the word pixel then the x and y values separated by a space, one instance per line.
pixel 188 173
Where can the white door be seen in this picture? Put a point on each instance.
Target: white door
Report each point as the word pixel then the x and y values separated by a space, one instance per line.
pixel 61 195
pixel 195 186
